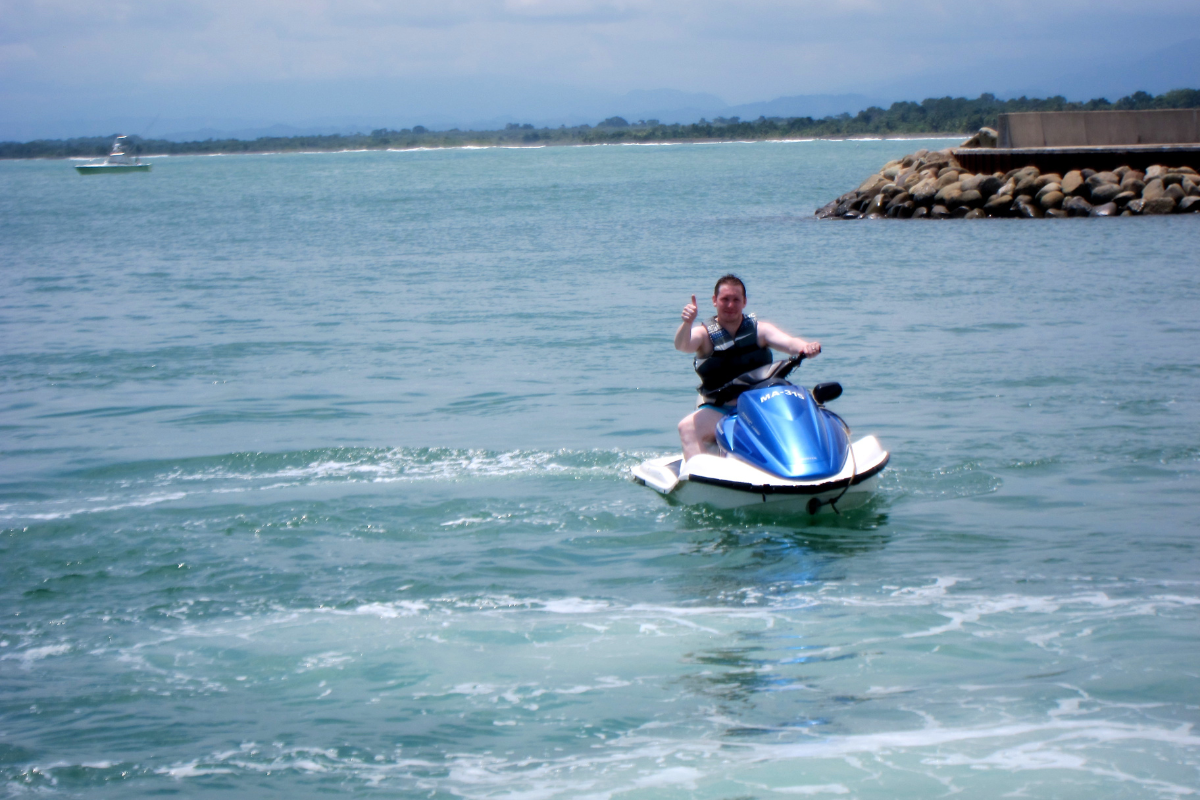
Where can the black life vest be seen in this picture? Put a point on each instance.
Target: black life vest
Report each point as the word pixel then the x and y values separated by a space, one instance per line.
pixel 732 355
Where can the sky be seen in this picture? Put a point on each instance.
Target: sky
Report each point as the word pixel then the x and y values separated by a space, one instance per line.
pixel 79 67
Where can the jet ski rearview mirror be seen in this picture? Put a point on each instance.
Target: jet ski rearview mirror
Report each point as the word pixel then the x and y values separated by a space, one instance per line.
pixel 824 392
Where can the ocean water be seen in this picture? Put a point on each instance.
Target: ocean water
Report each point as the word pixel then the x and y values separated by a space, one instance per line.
pixel 314 482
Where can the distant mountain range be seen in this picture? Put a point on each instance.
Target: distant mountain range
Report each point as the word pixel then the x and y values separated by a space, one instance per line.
pixel 253 110
pixel 664 105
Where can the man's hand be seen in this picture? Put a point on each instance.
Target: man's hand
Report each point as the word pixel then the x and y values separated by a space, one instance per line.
pixel 811 349
pixel 687 338
pixel 690 311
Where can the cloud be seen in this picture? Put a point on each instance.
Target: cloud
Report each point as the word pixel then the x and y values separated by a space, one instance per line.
pixel 63 52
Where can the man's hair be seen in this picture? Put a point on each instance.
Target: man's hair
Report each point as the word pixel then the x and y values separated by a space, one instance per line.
pixel 730 278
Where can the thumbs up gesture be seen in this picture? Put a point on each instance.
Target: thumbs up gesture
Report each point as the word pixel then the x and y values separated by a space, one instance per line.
pixel 689 311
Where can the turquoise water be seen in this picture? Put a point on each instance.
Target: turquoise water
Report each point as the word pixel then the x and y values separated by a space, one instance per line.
pixel 315 481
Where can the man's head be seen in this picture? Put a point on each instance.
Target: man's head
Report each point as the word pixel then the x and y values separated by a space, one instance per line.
pixel 729 279
pixel 729 298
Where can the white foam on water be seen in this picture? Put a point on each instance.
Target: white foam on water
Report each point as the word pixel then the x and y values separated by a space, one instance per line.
pixel 966 607
pixel 398 465
pixel 575 605
pixel 27 658
pixel 827 788
pixel 687 777
pixel 136 502
pixel 462 522
pixel 392 610
pixel 193 770
pixel 324 661
pixel 635 762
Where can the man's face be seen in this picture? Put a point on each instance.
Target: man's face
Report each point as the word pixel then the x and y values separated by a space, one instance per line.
pixel 729 302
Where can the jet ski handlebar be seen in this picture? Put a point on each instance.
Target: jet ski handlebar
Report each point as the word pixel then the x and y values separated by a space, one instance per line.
pixel 773 374
pixel 789 365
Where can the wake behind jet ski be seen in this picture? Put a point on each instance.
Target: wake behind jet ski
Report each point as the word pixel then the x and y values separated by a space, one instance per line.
pixel 781 448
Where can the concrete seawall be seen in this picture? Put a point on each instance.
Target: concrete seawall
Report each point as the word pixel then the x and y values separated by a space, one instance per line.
pixel 1099 128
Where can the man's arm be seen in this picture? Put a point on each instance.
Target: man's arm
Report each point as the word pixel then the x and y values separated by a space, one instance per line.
pixel 690 339
pixel 770 336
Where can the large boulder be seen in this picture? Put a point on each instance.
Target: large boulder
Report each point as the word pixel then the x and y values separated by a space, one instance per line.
pixel 985 137
pixel 1072 182
pixel 1077 207
pixel 1159 205
pixel 1028 210
pixel 1188 205
pixel 940 158
pixel 946 177
pixel 924 192
pixel 1049 187
pixel 939 212
pixel 1047 178
pixel 972 198
pixel 1124 198
pixel 1050 200
pixel 1156 171
pixel 1134 206
pixel 1154 189
pixel 871 186
pixel 1104 193
pixel 1132 184
pixel 1106 210
pixel 998 205
pixel 1176 191
pixel 975 213
pixel 989 185
pixel 1025 183
pixel 949 194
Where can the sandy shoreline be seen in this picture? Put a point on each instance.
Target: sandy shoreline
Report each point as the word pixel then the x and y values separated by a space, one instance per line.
pixel 533 146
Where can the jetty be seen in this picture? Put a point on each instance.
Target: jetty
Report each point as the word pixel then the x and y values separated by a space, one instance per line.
pixel 1044 164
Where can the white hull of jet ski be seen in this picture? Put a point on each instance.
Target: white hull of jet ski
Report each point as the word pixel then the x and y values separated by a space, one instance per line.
pixel 727 481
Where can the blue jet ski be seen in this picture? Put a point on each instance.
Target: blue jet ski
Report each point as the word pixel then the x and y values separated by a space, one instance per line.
pixel 782 447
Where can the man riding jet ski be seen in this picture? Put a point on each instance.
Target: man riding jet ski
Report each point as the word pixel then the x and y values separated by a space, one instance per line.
pixel 773 441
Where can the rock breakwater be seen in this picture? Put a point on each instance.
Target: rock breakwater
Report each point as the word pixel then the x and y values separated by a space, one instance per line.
pixel 933 185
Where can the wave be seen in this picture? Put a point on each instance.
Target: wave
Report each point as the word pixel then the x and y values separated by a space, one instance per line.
pixel 987 760
pixel 151 483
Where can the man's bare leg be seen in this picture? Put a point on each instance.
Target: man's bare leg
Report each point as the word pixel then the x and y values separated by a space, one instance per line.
pixel 698 431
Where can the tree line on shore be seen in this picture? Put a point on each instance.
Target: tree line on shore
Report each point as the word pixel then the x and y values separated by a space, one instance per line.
pixel 932 116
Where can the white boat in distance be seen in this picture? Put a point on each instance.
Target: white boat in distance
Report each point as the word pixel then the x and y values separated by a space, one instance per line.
pixel 117 161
